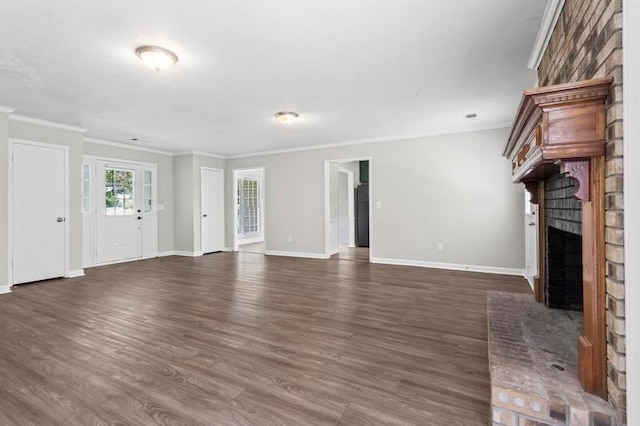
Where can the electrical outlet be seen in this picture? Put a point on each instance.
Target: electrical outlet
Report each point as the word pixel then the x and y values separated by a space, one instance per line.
pixel 440 247
pixel 290 239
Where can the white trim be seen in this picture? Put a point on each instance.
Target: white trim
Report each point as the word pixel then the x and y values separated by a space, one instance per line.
pixel 450 266
pixel 296 254
pixel 376 140
pixel 5 289
pixel 549 21
pixel 228 249
pixel 200 153
pixel 6 110
pixel 126 146
pixel 90 157
pixel 25 119
pixel 166 253
pixel 187 253
pixel 258 238
pixel 115 262
pixel 67 211
pixel 631 108
pixel 75 274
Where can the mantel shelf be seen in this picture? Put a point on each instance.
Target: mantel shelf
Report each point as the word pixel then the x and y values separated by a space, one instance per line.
pixel 557 123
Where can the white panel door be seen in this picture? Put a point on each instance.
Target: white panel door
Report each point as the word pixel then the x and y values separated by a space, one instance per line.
pixel 119 211
pixel 38 212
pixel 531 247
pixel 212 210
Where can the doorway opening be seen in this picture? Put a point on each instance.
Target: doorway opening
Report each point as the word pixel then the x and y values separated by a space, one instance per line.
pixel 249 211
pixel 347 209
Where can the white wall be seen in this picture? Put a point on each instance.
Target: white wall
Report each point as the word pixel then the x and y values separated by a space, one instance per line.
pixel 165 184
pixel 187 199
pixel 72 139
pixel 455 189
pixel 4 199
pixel 631 95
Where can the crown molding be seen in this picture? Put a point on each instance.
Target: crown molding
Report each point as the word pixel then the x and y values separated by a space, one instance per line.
pixel 62 126
pixel 200 153
pixel 378 140
pixel 6 110
pixel 549 21
pixel 126 146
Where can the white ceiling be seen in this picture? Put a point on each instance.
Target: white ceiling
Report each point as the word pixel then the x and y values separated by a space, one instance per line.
pixel 355 70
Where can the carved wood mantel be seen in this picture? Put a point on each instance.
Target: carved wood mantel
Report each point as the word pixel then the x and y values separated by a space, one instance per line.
pixel 562 129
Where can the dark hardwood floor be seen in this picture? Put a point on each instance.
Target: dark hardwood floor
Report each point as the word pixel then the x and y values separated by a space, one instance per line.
pixel 247 339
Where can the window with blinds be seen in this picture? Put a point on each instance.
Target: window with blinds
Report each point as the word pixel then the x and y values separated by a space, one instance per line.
pixel 249 207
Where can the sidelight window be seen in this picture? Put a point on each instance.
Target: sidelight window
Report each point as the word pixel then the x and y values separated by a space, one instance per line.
pixel 86 188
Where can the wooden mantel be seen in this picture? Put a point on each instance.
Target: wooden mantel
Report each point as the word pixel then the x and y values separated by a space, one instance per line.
pixel 562 129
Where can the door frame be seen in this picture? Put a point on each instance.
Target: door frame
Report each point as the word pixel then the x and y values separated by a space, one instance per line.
pixel 327 202
pixel 10 203
pixel 202 168
pixel 263 211
pixel 92 160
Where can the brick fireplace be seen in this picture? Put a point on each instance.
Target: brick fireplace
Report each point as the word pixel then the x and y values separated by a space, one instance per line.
pixel 557 149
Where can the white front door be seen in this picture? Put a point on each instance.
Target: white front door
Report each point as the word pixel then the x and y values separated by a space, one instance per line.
pixel 212 210
pixel 39 181
pixel 119 211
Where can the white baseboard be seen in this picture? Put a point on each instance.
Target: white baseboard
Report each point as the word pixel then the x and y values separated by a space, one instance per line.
pixel 187 253
pixel 296 254
pixel 450 266
pixel 5 289
pixel 75 274
pixel 228 249
pixel 166 253
pixel 251 240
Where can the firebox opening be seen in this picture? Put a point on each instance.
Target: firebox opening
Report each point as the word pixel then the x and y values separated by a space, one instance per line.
pixel 564 270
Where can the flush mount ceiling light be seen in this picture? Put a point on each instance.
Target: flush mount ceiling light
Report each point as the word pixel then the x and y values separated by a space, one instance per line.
pixel 286 117
pixel 156 57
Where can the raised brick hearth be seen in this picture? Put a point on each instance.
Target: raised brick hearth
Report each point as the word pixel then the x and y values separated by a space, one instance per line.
pixel 532 361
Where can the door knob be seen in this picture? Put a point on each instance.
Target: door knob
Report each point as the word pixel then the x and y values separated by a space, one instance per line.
pixel 60 219
pixel 204 215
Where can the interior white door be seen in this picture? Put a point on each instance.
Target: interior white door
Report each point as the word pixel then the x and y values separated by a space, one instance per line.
pixel 531 247
pixel 39 206
pixel 119 211
pixel 212 210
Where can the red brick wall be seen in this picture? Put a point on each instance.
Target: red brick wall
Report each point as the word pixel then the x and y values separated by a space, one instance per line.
pixel 587 44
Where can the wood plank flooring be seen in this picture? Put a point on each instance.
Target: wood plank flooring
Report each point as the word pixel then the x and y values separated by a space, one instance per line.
pixel 247 339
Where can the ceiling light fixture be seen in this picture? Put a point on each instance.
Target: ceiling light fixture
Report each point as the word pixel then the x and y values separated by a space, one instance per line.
pixel 286 117
pixel 156 57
